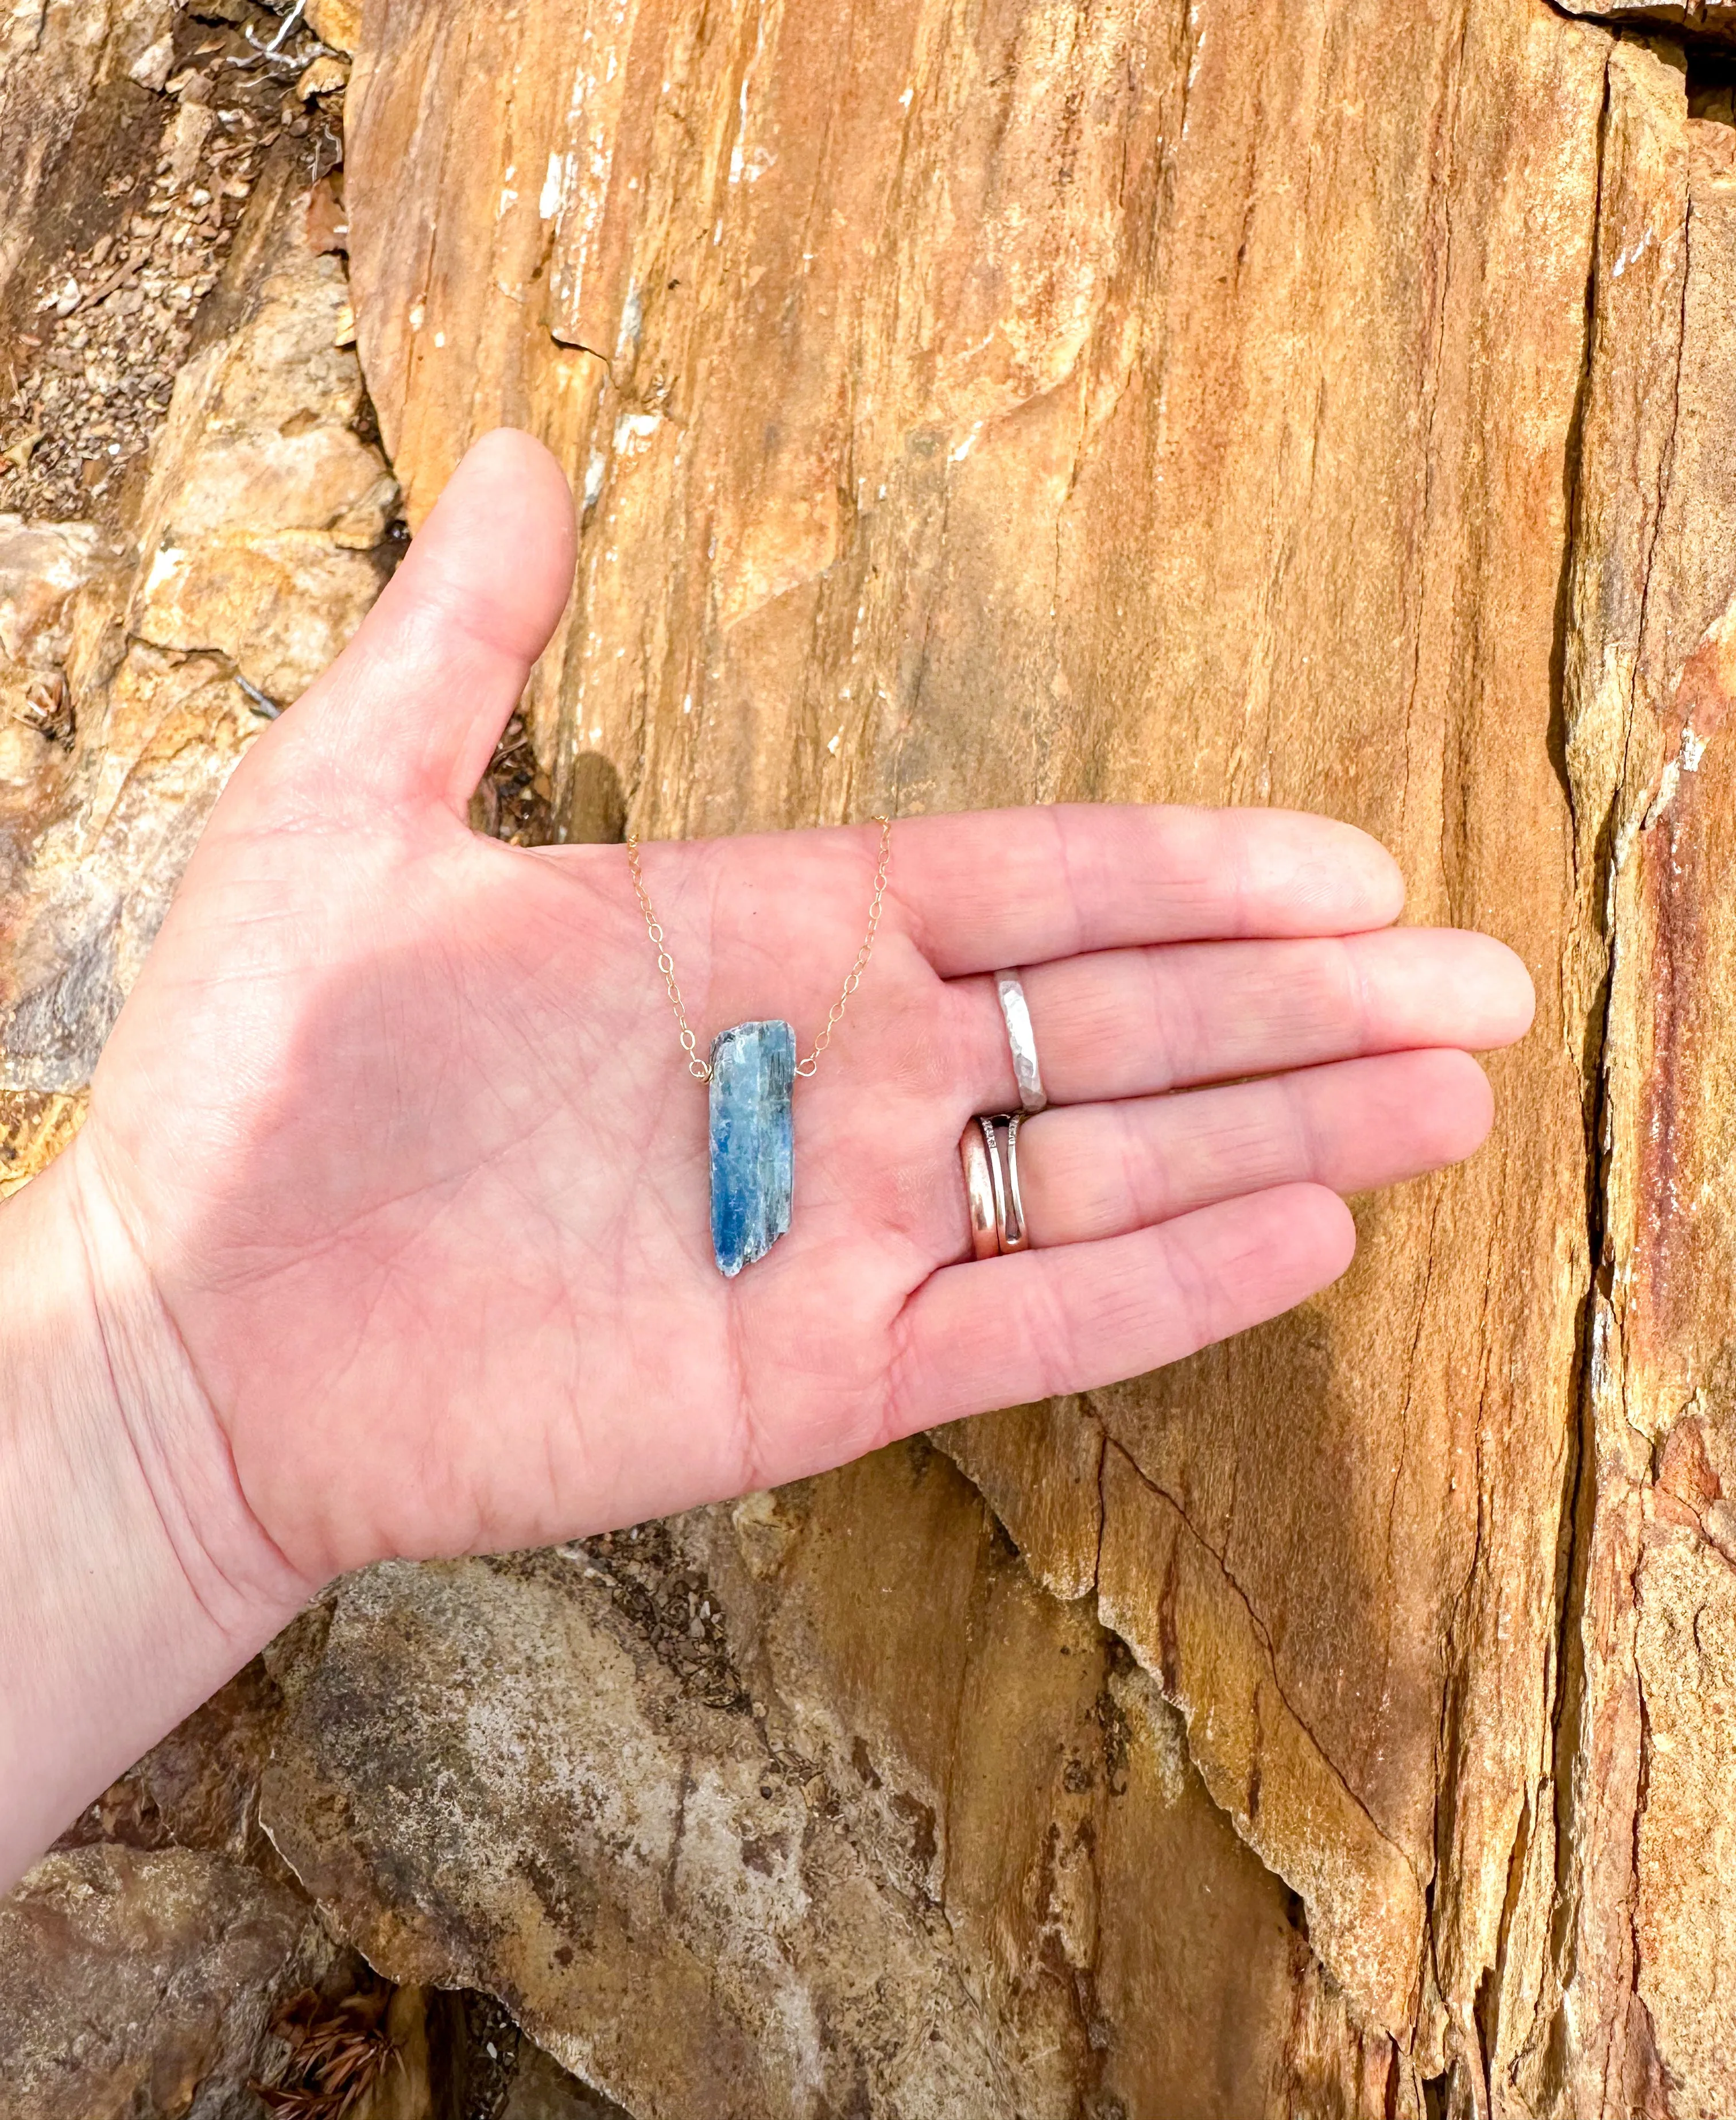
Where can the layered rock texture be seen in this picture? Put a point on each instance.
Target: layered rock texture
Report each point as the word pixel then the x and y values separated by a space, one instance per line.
pixel 1309 401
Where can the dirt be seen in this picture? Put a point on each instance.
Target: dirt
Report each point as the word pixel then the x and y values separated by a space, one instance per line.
pixel 135 247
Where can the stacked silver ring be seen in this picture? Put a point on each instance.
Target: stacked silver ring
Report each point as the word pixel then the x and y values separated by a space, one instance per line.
pixel 989 1149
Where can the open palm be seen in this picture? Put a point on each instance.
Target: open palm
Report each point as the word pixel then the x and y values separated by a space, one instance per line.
pixel 397 1120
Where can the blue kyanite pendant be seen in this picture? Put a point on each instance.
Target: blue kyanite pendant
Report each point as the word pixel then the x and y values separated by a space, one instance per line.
pixel 753 1141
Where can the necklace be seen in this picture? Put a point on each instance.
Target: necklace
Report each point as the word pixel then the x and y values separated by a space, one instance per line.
pixel 751 1072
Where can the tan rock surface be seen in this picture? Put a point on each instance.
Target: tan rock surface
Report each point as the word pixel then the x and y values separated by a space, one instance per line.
pixel 111 755
pixel 33 1131
pixel 1708 18
pixel 256 554
pixel 1031 404
pixel 140 1987
pixel 337 23
pixel 543 2090
pixel 1685 1916
pixel 265 504
pixel 70 71
pixel 1151 406
pixel 1640 1980
pixel 844 1846
pixel 44 570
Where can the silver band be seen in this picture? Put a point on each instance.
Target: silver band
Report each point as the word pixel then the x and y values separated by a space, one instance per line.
pixel 1011 1229
pixel 1023 1039
pixel 991 1162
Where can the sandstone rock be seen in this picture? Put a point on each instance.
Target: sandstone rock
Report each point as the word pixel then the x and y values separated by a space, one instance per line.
pixel 325 77
pixel 1057 403
pixel 337 23
pixel 43 568
pixel 140 1986
pixel 101 876
pixel 265 502
pixel 823 1844
pixel 33 1131
pixel 1685 1920
pixel 99 298
pixel 1710 18
pixel 542 2090
pixel 1628 1976
pixel 185 138
pixel 42 564
pixel 1105 404
pixel 445 2055
pixel 255 559
pixel 65 65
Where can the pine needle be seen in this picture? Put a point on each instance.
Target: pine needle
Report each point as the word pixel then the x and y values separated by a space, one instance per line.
pixel 338 2051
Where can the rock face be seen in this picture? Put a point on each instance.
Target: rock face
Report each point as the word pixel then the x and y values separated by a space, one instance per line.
pixel 1294 401
pixel 1145 407
pixel 257 547
pixel 141 1985
pixel 1650 676
pixel 69 70
pixel 1712 19
pixel 267 503
pixel 824 1788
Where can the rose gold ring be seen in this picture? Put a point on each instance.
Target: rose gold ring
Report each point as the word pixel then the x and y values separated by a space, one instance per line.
pixel 979 1190
pixel 990 1161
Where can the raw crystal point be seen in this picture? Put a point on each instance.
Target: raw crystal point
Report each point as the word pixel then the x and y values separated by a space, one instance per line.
pixel 753 1141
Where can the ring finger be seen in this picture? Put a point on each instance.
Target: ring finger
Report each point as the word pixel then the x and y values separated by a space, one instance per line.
pixel 1087 1171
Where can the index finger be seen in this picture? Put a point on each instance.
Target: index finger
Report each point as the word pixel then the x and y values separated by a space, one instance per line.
pixel 1004 887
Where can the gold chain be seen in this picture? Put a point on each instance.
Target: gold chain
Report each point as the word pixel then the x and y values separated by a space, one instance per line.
pixel 701 1069
pixel 666 964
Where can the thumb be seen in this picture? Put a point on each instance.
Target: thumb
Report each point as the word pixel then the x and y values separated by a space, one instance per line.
pixel 411 711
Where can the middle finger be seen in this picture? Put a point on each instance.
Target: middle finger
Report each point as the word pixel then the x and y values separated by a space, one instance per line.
pixel 1130 1023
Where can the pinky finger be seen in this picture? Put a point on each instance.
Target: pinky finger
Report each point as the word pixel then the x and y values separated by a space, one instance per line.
pixel 1005 1331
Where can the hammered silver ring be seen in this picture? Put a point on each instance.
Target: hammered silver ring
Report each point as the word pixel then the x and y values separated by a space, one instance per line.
pixel 1015 1012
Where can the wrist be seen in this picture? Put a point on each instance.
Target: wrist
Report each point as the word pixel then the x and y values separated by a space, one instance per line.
pixel 133 1577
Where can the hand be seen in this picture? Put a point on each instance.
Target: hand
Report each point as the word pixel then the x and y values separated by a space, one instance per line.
pixel 397 1125
pixel 387 1232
